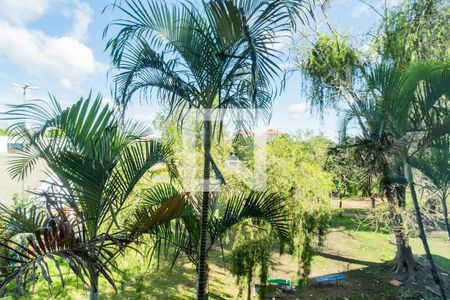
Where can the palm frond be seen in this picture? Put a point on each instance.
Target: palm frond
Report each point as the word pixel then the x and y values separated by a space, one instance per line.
pixel 58 240
pixel 258 206
pixel 21 220
pixel 221 54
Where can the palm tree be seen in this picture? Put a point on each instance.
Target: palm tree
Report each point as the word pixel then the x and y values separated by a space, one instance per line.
pixel 426 87
pixel 183 232
pixel 218 54
pixel 399 108
pixel 434 163
pixel 374 112
pixel 94 160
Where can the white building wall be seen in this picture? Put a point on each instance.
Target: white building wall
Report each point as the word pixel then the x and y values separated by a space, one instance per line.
pixel 3 144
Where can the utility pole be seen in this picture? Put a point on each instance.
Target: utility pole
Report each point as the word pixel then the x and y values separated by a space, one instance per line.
pixel 25 87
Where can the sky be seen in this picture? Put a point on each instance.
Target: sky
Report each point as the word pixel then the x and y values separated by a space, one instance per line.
pixel 57 46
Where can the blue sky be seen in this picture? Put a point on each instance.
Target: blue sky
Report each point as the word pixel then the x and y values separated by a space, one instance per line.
pixel 57 46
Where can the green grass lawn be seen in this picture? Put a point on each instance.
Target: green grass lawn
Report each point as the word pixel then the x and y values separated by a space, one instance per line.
pixel 360 252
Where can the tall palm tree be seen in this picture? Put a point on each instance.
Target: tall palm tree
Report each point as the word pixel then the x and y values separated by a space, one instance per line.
pixel 218 54
pixel 94 160
pixel 375 146
pixel 427 87
pixel 401 105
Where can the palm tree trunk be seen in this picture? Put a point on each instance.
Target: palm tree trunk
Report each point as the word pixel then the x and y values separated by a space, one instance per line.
pixel 445 212
pixel 93 295
pixel 202 289
pixel 93 291
pixel 404 260
pixel 422 233
pixel 249 282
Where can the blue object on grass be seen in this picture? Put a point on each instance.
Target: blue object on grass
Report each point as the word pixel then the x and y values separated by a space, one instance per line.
pixel 333 277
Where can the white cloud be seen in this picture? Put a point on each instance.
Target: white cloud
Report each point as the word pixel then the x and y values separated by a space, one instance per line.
pixel 146 118
pixel 298 109
pixel 394 3
pixel 361 10
pixel 82 17
pixel 40 54
pixel 108 101
pixel 10 98
pixel 21 12
pixel 64 57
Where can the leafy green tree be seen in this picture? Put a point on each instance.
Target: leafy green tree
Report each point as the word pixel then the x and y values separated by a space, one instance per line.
pixel 295 169
pixel 94 160
pixel 248 253
pixel 350 176
pixel 243 147
pixel 214 55
pixel 416 30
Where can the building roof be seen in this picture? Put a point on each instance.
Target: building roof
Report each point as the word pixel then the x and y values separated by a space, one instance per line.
pixel 269 132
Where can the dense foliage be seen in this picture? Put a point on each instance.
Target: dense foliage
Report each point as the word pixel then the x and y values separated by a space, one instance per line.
pixel 295 168
pixel 328 65
pixel 416 30
pixel 349 174
pixel 251 250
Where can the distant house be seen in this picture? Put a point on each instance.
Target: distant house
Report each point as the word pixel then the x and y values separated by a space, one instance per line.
pixel 233 162
pixel 273 133
pixel 270 133
pixel 7 145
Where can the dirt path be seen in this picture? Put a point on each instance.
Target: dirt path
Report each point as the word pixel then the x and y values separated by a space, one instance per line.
pixel 363 203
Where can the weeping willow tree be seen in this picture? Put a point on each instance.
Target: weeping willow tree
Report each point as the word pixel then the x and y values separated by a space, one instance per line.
pixel 250 257
pixel 295 168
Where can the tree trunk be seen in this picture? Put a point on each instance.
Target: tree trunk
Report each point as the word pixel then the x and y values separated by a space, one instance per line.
pixel 94 288
pixel 422 233
pixel 93 295
pixel 249 283
pixel 404 260
pixel 202 288
pixel 445 212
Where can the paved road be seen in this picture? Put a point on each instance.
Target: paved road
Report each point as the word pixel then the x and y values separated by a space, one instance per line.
pixel 8 186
